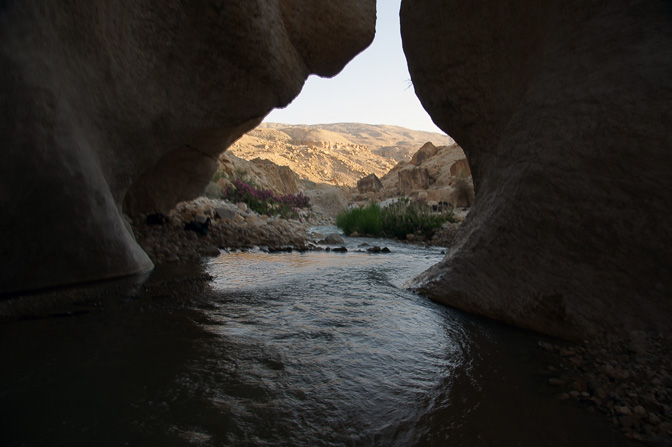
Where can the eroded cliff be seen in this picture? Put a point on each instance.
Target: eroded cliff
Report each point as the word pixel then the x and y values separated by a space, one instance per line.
pixel 120 107
pixel 563 110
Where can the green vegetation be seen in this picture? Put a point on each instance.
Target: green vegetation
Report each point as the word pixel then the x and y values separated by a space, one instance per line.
pixel 398 220
pixel 365 221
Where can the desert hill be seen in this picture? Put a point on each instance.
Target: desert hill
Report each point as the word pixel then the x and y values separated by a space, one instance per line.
pixel 336 154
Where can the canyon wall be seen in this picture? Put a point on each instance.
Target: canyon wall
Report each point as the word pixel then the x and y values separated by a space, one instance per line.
pixel 111 108
pixel 564 110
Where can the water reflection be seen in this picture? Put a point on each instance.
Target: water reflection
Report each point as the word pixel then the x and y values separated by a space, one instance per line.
pixel 314 349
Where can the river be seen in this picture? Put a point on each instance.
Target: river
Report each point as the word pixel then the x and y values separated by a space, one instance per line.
pixel 284 349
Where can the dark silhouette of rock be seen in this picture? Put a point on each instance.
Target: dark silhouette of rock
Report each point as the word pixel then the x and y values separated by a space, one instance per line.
pixel 200 228
pixel 563 110
pixel 113 109
pixel 156 219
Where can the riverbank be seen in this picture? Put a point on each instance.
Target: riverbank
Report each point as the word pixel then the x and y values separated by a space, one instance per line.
pixel 218 225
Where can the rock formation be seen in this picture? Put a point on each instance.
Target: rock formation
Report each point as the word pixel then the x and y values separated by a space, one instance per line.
pixel 370 183
pixel 460 168
pixel 563 110
pixel 410 180
pixel 262 173
pixel 429 176
pixel 427 151
pixel 112 108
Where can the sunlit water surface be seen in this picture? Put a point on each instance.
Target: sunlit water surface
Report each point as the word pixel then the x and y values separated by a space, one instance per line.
pixel 300 349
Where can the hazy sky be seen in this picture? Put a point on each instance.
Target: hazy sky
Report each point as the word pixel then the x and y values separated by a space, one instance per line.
pixel 373 88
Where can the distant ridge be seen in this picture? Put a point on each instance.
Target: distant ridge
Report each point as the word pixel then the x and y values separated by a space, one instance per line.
pixel 337 154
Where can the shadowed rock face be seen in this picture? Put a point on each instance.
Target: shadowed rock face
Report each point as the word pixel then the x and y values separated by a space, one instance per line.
pixel 564 110
pixel 120 107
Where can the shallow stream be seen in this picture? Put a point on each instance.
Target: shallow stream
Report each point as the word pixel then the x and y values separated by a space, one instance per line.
pixel 282 349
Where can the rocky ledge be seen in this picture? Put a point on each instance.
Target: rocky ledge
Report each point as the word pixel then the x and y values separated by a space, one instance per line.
pixel 214 225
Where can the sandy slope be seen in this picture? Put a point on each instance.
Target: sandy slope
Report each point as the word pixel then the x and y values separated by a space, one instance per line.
pixel 337 154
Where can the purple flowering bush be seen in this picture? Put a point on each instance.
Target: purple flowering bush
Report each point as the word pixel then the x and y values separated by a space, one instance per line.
pixel 263 201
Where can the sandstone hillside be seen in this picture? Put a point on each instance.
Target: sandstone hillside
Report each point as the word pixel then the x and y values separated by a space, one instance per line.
pixel 336 154
pixel 434 173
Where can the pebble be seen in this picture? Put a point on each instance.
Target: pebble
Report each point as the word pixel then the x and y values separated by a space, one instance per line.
pixel 628 382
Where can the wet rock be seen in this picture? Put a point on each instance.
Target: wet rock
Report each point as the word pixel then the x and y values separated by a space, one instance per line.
pixel 334 239
pixel 210 250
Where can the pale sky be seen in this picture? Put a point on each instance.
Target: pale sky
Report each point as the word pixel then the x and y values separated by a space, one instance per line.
pixel 374 88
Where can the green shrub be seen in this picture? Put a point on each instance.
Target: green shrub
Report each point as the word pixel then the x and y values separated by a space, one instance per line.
pixel 398 220
pixel 365 221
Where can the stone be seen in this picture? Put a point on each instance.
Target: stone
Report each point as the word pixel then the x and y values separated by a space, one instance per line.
pixel 370 183
pixel 210 251
pixel 334 239
pixel 639 411
pixel 460 168
pixel 280 179
pixel 225 213
pixel 340 249
pixel 242 206
pixel 580 385
pixel 569 148
pixel 238 219
pixel 413 179
pixel 462 193
pixel 623 410
pixel 427 151
pixel 109 110
pixel 666 427
pixel 200 219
